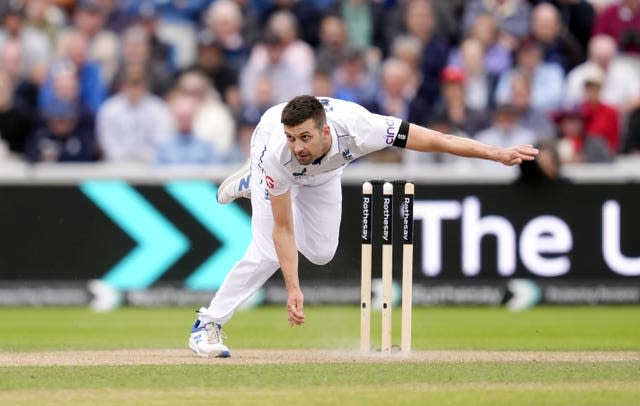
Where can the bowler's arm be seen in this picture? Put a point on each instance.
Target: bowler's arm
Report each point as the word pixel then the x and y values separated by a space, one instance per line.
pixel 287 251
pixel 426 140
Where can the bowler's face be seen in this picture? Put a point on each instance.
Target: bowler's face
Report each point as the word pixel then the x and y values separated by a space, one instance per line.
pixel 307 142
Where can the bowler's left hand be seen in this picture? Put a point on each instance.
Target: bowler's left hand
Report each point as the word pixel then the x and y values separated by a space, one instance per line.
pixel 517 154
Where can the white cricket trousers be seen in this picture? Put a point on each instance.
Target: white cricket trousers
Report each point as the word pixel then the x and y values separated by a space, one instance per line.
pixel 317 212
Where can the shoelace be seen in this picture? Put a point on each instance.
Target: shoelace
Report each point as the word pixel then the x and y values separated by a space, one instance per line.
pixel 215 333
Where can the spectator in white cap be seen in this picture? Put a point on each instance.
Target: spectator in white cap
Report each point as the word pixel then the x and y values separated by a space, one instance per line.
pixel 601 119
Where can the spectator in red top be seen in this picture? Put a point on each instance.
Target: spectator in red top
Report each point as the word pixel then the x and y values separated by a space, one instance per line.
pixel 601 120
pixel 621 21
pixel 575 145
pixel 571 135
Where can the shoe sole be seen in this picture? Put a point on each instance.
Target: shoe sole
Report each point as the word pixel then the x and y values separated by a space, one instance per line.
pixel 232 178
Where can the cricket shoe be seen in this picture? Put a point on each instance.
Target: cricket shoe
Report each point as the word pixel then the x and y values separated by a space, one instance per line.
pixel 236 185
pixel 206 340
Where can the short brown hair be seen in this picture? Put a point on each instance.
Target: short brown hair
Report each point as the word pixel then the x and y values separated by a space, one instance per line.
pixel 300 109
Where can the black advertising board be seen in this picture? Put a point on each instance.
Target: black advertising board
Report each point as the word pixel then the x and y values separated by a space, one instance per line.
pixel 576 243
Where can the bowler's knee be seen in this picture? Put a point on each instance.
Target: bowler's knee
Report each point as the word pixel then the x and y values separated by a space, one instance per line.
pixel 319 257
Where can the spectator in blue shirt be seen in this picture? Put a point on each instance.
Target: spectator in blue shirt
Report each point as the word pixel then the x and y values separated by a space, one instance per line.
pixel 546 78
pixel 183 147
pixel 93 89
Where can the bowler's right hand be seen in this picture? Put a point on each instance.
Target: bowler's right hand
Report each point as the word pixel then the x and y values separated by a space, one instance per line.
pixel 295 307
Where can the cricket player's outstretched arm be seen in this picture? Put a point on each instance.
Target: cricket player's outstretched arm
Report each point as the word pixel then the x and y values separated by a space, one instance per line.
pixel 426 140
pixel 287 251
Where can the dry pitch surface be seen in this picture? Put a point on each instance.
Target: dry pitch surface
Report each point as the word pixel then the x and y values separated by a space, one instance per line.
pixel 263 357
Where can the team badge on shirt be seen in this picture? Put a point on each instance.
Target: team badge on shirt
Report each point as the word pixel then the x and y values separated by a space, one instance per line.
pixel 270 182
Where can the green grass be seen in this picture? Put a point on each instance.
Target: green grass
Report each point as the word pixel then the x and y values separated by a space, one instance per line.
pixel 543 328
pixel 345 383
pixel 336 374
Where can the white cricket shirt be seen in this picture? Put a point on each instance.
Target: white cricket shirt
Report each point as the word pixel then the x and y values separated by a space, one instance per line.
pixel 355 132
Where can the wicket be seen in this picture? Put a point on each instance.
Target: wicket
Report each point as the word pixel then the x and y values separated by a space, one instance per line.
pixel 386 235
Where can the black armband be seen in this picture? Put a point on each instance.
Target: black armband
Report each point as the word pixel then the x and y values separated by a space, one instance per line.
pixel 403 135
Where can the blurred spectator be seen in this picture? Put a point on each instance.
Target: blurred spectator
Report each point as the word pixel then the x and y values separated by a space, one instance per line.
pixel 306 14
pixel 162 53
pixel 297 52
pixel 392 99
pixel 558 43
pixel 334 43
pixel 136 51
pixel 15 124
pixel 178 24
pixel 632 133
pixel 262 99
pixel 409 50
pixel 243 139
pixel 322 84
pixel 269 59
pixel 546 169
pixel 64 136
pixel 389 56
pixel 621 21
pixel 133 121
pixel 601 120
pixel 365 23
pixel 445 16
pixel 547 79
pixel 25 89
pixel 117 19
pixel 36 48
pixel 571 134
pixel 225 21
pixel 479 85
pixel 75 49
pixel 211 60
pixel 394 94
pixel 180 11
pixel 213 121
pixel 497 57
pixel 65 5
pixel 512 17
pixel 46 17
pixel 420 23
pixel 454 107
pixel 64 86
pixel 600 5
pixel 102 46
pixel 621 86
pixel 578 16
pixel 352 80
pixel 183 11
pixel 575 144
pixel 530 117
pixel 505 130
pixel 183 147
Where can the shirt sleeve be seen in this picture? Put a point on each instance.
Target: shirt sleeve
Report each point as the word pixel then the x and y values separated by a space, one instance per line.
pixel 375 131
pixel 276 180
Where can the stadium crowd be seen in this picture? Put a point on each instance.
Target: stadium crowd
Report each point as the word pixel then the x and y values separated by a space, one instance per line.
pixel 185 82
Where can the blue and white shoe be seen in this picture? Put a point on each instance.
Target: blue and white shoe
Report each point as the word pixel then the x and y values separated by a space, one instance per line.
pixel 206 340
pixel 236 185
